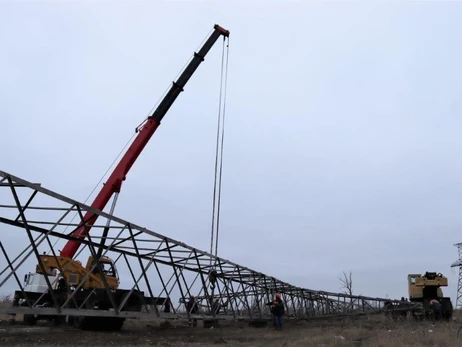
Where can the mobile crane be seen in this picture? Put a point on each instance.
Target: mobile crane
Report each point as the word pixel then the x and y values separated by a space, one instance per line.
pixel 423 288
pixel 100 273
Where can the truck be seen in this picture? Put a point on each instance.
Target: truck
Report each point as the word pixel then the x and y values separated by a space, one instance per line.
pixel 56 276
pixel 423 288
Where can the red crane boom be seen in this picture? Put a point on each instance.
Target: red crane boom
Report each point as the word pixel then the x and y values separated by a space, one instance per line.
pixel 114 182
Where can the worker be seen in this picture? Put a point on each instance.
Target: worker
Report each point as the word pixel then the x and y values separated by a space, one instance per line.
pixel 215 306
pixel 62 287
pixel 167 305
pixel 192 308
pixel 213 279
pixel 277 310
pixel 435 306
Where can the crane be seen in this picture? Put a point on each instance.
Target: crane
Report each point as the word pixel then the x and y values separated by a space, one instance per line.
pixel 114 183
pixel 100 274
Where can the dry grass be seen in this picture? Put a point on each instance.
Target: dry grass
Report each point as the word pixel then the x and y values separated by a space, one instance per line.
pixel 372 331
pixel 377 332
pixel 6 300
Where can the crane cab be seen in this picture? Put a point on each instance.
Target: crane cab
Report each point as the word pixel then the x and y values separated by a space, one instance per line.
pixel 108 267
pixel 74 272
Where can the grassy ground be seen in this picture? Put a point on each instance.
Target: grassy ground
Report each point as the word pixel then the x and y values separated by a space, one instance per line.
pixel 360 331
pixel 366 331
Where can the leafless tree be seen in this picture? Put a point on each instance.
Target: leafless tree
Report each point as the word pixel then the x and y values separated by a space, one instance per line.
pixel 347 282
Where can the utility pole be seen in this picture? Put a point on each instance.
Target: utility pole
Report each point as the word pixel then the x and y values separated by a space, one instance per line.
pixel 458 263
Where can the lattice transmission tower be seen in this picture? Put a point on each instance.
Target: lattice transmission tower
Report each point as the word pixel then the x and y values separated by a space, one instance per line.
pixel 458 263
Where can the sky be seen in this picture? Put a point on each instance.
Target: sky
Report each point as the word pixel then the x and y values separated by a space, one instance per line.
pixel 343 127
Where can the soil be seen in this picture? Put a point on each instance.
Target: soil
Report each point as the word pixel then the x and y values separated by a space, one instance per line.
pixel 368 331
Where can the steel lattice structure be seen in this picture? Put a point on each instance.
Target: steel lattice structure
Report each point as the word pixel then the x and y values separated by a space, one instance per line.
pixel 458 263
pixel 168 271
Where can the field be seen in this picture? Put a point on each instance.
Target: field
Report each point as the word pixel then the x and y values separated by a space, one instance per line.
pixel 361 331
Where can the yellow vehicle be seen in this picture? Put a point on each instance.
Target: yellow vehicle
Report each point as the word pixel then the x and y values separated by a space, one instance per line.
pixel 68 277
pixel 423 288
pixel 74 272
pixel 427 286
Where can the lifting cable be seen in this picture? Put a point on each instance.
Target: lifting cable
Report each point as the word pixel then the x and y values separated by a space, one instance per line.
pixel 219 152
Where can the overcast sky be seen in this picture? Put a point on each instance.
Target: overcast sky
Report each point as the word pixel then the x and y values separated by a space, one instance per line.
pixel 343 132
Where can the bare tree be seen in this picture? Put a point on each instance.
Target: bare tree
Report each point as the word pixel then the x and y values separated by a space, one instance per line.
pixel 347 282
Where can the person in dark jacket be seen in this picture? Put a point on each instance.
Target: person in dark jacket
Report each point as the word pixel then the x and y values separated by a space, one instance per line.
pixel 435 306
pixel 192 308
pixel 277 309
pixel 62 287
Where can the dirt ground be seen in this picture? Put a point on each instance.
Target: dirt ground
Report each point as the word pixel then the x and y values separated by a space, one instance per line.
pixel 364 331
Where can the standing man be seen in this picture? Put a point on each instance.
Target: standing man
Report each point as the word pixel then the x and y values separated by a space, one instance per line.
pixel 277 310
pixel 192 308
pixel 435 305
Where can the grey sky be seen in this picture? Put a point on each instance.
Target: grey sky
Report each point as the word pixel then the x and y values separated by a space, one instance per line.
pixel 343 127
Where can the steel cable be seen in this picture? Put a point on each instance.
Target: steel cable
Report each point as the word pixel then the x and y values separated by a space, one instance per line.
pixel 219 152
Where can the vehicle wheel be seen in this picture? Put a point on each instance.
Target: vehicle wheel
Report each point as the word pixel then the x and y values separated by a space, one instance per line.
pixel 107 324
pixel 79 322
pixel 133 303
pixel 59 320
pixel 118 324
pixel 29 319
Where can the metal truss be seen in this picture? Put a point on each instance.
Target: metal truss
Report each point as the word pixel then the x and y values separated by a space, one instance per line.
pixel 458 263
pixel 165 270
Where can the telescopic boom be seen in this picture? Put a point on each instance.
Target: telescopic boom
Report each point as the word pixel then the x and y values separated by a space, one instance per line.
pixel 114 182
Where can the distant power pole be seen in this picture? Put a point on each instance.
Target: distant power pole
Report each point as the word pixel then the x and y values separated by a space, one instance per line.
pixel 458 263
